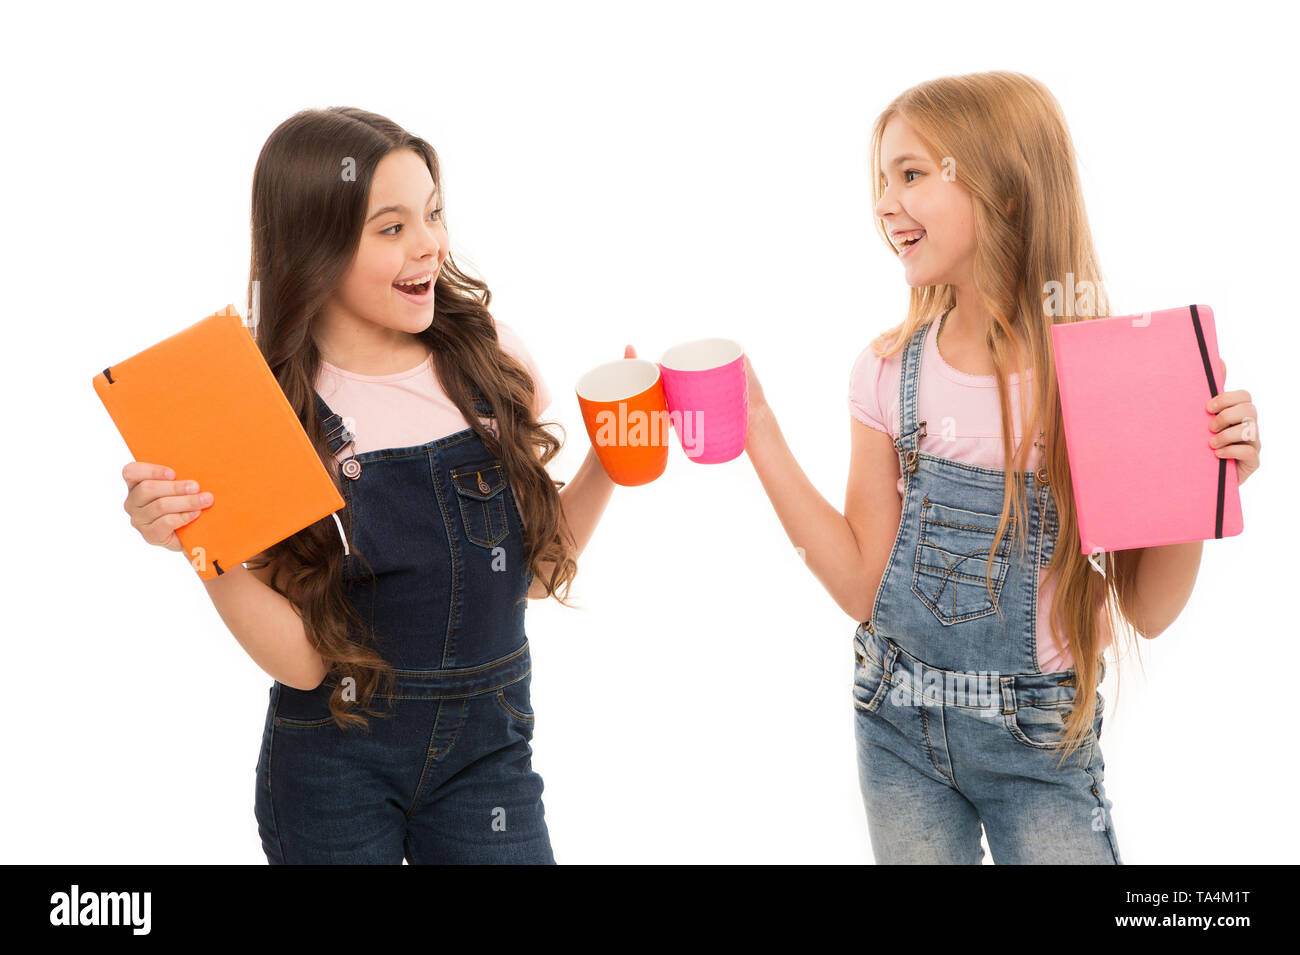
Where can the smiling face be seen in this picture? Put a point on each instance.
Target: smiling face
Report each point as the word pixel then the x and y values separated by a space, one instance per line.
pixel 918 200
pixel 368 317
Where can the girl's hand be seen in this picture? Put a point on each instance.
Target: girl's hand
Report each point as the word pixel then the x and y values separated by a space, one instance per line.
pixel 757 400
pixel 158 505
pixel 1236 434
pixel 756 397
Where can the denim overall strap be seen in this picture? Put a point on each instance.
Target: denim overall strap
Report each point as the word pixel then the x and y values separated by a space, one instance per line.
pixel 907 444
pixel 910 431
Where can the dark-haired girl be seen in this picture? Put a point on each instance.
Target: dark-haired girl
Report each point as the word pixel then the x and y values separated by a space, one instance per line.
pixel 399 723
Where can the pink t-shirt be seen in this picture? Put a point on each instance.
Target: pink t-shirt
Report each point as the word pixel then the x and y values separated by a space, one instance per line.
pixel 962 423
pixel 408 408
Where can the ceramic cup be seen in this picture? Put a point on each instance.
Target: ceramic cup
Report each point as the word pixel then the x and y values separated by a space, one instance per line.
pixel 627 419
pixel 707 394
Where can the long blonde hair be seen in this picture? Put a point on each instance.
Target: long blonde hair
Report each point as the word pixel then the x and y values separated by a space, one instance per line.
pixel 1004 136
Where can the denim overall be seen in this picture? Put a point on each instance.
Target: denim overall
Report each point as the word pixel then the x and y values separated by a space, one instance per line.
pixel 954 719
pixel 447 778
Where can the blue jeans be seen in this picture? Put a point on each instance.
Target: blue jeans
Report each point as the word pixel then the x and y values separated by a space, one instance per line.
pixel 934 764
pixel 446 779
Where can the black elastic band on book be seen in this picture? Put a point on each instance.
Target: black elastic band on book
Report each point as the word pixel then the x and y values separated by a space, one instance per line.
pixel 217 565
pixel 1214 392
pixel 108 376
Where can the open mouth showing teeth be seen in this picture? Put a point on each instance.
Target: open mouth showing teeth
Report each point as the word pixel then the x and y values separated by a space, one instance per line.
pixel 906 243
pixel 417 289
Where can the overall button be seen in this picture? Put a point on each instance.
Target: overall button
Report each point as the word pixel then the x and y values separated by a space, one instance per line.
pixel 351 469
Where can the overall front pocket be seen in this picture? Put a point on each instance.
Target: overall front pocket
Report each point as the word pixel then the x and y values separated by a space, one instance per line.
pixel 480 488
pixel 870 683
pixel 1041 726
pixel 951 554
pixel 304 708
pixel 516 699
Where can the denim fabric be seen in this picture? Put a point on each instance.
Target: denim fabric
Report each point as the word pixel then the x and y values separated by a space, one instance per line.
pixel 447 777
pixel 955 720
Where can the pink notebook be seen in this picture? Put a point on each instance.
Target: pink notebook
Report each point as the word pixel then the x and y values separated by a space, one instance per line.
pixel 1133 393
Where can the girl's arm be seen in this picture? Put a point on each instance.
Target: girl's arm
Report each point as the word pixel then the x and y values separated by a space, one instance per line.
pixel 1165 578
pixel 846 552
pixel 582 503
pixel 266 625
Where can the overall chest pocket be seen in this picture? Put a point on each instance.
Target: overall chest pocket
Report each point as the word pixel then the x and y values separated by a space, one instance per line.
pixel 951 554
pixel 480 489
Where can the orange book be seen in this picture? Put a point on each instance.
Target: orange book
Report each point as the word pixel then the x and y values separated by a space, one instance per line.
pixel 205 404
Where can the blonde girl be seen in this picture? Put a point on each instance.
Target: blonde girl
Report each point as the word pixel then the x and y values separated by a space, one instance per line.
pixel 983 627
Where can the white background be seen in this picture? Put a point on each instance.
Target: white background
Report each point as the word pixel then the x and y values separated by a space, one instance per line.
pixel 645 174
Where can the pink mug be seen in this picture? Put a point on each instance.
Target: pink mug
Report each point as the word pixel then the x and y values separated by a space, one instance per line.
pixel 707 394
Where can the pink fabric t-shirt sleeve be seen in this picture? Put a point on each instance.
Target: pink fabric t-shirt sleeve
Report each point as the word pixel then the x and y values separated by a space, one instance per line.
pixel 513 344
pixel 869 391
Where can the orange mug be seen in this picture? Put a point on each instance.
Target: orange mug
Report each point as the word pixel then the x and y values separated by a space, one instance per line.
pixel 623 407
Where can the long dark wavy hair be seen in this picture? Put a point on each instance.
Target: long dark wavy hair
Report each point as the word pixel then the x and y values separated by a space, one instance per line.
pixel 307 221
